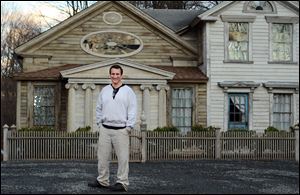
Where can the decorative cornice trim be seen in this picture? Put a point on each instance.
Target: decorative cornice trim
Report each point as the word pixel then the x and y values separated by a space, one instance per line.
pixel 167 75
pixel 282 19
pixel 238 84
pixel 237 18
pixel 281 85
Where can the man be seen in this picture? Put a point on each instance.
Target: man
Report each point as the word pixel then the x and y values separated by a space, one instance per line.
pixel 116 115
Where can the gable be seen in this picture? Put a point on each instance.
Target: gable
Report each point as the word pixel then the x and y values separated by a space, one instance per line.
pixel 132 71
pixel 70 31
pixel 237 7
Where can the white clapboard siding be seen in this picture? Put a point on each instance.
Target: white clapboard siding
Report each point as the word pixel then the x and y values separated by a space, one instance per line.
pixel 260 71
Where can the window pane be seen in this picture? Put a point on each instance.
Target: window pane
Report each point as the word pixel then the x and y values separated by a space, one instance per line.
pixel 282 42
pixel 282 111
pixel 238 41
pixel 182 108
pixel 238 108
pixel 44 106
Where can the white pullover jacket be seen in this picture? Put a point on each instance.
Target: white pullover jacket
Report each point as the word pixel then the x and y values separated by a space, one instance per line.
pixel 118 112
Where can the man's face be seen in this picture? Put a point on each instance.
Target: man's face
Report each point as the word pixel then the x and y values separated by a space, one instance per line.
pixel 115 76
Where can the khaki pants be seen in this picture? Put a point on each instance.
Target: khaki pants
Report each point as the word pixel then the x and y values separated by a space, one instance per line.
pixel 120 141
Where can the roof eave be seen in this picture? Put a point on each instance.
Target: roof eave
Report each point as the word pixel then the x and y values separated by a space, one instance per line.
pixel 188 81
pixel 21 78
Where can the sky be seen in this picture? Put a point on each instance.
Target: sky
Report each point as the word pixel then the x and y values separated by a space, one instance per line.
pixel 36 8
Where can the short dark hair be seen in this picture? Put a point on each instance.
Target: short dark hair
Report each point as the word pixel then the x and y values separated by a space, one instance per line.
pixel 116 67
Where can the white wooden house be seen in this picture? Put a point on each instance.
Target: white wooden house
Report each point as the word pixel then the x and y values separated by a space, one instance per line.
pixel 251 57
pixel 226 67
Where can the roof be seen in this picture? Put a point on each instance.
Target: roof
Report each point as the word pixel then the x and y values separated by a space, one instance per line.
pixel 174 19
pixel 183 74
pixel 49 74
pixel 186 74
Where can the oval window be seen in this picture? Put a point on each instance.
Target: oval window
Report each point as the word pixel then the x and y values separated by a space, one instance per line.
pixel 111 44
pixel 112 18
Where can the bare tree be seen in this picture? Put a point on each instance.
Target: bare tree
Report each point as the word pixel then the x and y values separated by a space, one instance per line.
pixel 198 5
pixel 16 29
pixel 76 6
pixel 64 8
pixel 70 8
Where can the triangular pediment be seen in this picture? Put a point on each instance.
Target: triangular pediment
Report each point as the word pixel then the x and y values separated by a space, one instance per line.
pixel 93 13
pixel 212 14
pixel 132 71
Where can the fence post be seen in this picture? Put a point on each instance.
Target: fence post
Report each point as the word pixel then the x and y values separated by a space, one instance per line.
pixel 143 128
pixel 5 142
pixel 297 143
pixel 13 127
pixel 218 144
pixel 144 154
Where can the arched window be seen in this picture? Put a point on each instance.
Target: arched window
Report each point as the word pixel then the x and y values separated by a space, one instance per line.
pixel 259 7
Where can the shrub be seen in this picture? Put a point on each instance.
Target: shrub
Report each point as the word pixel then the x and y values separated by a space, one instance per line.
pixel 198 128
pixel 201 128
pixel 85 129
pixel 37 128
pixel 168 128
pixel 271 129
pixel 292 128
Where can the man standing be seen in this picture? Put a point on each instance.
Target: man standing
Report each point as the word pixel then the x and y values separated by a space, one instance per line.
pixel 116 115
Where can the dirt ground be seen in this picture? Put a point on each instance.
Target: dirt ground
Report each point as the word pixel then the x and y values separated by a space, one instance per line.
pixel 172 177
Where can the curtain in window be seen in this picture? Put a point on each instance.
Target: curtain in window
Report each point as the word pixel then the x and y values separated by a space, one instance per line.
pixel 282 42
pixel 182 109
pixel 44 106
pixel 282 111
pixel 238 41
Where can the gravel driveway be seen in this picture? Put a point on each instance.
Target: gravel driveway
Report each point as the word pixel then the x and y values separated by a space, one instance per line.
pixel 202 176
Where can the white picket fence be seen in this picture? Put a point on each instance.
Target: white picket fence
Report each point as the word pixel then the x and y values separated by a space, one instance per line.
pixel 153 146
pixel 222 145
pixel 59 145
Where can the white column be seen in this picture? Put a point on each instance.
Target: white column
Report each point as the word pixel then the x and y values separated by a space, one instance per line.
pixel 88 114
pixel 71 106
pixel 146 102
pixel 162 104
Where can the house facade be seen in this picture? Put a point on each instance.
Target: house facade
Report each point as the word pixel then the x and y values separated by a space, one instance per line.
pixel 227 67
pixel 251 58
pixel 66 67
